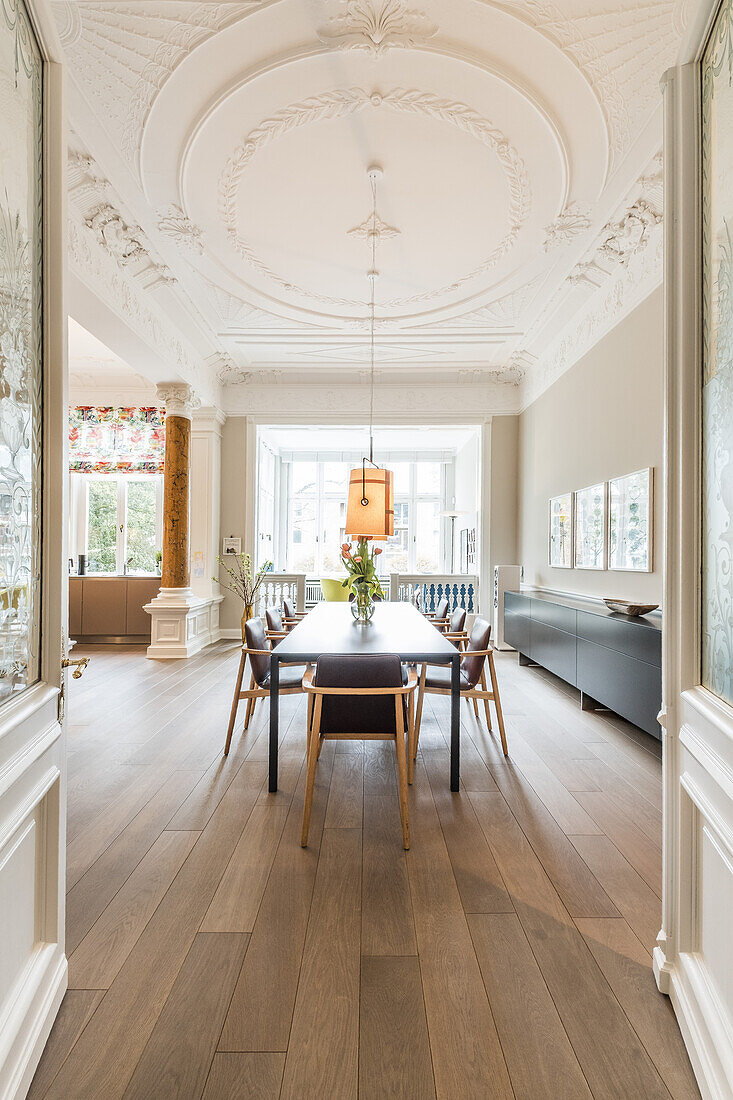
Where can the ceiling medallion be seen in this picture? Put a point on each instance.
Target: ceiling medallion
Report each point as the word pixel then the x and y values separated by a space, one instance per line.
pixel 343 102
pixel 373 228
pixel 376 26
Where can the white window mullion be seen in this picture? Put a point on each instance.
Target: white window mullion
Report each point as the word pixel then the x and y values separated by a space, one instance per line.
pixel 121 524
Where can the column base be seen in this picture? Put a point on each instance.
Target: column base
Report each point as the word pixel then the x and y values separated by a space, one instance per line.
pixel 181 624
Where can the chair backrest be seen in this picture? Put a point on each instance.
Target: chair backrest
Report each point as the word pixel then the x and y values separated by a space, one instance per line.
pixel 354 713
pixel 289 608
pixel 377 598
pixel 480 637
pixel 457 620
pixel 441 611
pixel 274 618
pixel 254 633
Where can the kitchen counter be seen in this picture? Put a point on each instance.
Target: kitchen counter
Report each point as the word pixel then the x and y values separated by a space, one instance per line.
pixel 109 608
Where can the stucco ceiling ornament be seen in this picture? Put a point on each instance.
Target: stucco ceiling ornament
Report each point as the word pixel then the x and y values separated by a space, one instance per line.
pixel 374 226
pixel 120 239
pixel 376 26
pixel 569 224
pixel 624 238
pixel 341 103
pixel 176 224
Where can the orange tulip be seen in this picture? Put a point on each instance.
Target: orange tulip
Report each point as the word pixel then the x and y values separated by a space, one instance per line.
pixel 377 550
pixel 357 558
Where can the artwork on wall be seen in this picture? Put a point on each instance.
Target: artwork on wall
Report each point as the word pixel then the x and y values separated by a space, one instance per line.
pixel 560 554
pixel 464 550
pixel 590 527
pixel 630 522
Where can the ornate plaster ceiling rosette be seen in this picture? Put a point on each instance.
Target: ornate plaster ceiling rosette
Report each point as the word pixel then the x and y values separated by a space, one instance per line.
pixel 346 101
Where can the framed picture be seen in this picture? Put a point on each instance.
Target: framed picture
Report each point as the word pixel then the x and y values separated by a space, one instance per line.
pixel 231 546
pixel 631 522
pixel 590 527
pixel 471 551
pixel 560 541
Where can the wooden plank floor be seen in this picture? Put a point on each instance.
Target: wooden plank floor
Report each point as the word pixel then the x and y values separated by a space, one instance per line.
pixel 508 954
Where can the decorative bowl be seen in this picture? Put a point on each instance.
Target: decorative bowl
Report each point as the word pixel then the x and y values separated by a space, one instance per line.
pixel 624 607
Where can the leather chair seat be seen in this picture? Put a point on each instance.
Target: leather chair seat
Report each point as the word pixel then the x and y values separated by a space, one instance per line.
pixel 438 676
pixel 290 676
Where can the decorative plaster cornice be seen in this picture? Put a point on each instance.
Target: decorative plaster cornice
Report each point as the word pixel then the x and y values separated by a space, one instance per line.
pixel 341 103
pixel 178 397
pixel 376 26
pixel 98 269
pixel 120 239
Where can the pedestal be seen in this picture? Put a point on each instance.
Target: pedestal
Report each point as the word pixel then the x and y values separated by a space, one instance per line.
pixel 182 624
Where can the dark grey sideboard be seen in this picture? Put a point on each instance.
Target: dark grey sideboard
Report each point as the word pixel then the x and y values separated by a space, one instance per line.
pixel 614 660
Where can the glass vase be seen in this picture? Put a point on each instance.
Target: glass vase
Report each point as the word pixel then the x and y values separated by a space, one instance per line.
pixel 362 606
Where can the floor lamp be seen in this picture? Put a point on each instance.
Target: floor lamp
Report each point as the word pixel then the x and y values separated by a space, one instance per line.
pixel 452 515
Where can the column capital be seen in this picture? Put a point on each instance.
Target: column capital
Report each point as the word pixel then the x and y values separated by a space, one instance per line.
pixel 178 397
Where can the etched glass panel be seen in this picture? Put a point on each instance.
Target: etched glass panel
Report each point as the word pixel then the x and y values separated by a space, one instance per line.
pixel 717 366
pixel 590 527
pixel 629 522
pixel 21 367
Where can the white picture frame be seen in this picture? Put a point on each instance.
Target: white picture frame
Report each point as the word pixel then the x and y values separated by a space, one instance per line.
pixel 590 527
pixel 631 522
pixel 560 531
pixel 231 545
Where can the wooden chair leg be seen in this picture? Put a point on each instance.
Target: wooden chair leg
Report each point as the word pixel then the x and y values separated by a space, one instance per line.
pixel 475 706
pixel 487 708
pixel 401 770
pixel 235 702
pixel 250 703
pixel 410 736
pixel 418 716
pixel 497 703
pixel 313 738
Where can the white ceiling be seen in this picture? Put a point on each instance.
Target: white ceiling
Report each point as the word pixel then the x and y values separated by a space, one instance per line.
pixel 234 140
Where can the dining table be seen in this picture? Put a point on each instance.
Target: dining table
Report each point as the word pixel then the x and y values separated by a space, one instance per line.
pixel 330 628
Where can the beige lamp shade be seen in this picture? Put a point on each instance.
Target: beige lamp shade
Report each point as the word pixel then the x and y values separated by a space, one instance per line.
pixel 376 517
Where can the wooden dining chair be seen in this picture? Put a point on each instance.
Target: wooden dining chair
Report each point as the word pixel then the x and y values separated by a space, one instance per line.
pixel 258 648
pixel 290 616
pixel 276 623
pixel 455 630
pixel 440 618
pixel 365 698
pixel 435 680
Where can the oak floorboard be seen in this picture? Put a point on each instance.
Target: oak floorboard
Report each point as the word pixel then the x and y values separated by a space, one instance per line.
pixel 323 1052
pixel 635 901
pixel 635 808
pixel 387 925
pixel 346 794
pixel 643 782
pixel 104 1058
pixel 178 1056
pixel 261 1011
pixel 77 1009
pixel 634 845
pixel 94 891
pixel 394 1050
pixel 100 955
pixel 474 868
pixel 245 1077
pixel 467 1057
pixel 610 1054
pixel 540 1059
pixel 627 967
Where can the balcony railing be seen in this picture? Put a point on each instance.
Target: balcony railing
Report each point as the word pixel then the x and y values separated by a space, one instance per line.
pixel 461 590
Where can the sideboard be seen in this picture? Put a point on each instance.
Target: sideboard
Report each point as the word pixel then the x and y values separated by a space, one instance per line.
pixel 110 608
pixel 614 660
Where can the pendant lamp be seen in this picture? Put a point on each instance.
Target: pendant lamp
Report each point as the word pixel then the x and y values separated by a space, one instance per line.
pixel 370 505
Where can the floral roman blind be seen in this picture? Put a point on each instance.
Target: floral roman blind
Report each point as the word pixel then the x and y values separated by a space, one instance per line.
pixel 114 441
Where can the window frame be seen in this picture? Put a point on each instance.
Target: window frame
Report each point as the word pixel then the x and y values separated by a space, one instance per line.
pixel 80 521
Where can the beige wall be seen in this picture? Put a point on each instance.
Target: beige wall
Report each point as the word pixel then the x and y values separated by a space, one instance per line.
pixel 233 504
pixel 603 418
pixel 504 492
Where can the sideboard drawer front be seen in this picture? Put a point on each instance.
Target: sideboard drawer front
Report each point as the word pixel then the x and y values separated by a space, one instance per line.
pixel 630 687
pixel 554 650
pixel 554 614
pixel 640 640
pixel 517 622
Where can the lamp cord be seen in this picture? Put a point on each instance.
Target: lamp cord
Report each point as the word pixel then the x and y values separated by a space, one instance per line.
pixel 372 280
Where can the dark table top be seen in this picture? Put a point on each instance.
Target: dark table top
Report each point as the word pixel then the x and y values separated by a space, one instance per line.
pixel 395 628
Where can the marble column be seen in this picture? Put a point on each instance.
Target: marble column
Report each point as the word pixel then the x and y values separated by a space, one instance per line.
pixel 182 622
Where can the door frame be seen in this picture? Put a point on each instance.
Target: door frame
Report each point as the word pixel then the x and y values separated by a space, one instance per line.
pixel 697 726
pixel 32 737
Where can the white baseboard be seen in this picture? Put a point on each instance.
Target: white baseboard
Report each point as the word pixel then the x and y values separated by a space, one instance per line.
pixel 35 1022
pixel 709 1042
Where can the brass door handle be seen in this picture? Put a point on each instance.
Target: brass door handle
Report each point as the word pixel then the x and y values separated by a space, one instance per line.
pixel 81 665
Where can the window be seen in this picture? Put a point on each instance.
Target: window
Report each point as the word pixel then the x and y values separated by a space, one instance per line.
pixel 316 517
pixel 122 532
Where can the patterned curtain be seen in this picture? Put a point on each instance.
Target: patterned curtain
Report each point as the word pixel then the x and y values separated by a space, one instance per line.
pixel 112 441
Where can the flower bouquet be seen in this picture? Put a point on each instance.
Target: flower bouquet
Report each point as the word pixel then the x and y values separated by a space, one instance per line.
pixel 362 579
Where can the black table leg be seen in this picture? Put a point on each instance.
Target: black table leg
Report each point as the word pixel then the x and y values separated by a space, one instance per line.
pixel 455 722
pixel 274 719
